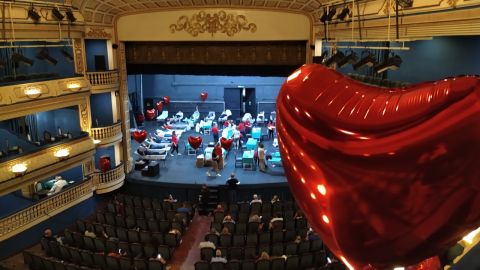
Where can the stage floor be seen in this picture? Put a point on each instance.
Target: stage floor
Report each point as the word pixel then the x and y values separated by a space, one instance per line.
pixel 181 169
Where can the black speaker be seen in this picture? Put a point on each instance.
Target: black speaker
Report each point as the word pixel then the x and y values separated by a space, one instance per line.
pixel 100 63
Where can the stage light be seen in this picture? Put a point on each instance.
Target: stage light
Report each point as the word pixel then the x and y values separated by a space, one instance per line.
pixel 18 58
pixel 67 55
pixel 33 14
pixel 71 18
pixel 44 55
pixel 331 13
pixel 320 59
pixel 351 58
pixel 337 57
pixel 323 18
pixel 57 14
pixel 343 14
pixel 368 60
pixel 392 63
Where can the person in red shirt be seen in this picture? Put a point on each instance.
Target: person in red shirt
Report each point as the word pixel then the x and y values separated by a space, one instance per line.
pixel 174 144
pixel 215 133
pixel 241 128
pixel 270 127
pixel 216 159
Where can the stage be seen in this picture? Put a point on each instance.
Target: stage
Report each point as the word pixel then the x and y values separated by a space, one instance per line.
pixel 180 169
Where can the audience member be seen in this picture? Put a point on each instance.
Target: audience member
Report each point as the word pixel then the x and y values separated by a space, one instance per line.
pixel 261 158
pixel 225 231
pixel 158 258
pixel 218 257
pixel 176 231
pixel 48 234
pixel 311 235
pixel 228 218
pixel 263 256
pixel 174 144
pixel 90 233
pixel 219 209
pixel 298 239
pixel 184 208
pixel 119 254
pixel 256 199
pixel 232 183
pixel 278 217
pixel 255 218
pixel 170 199
pixel 57 186
pixel 270 127
pixel 299 214
pixel 214 231
pixel 275 199
pixel 206 244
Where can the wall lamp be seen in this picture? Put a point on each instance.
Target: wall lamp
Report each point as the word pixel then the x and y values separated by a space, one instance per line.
pixel 57 14
pixel 33 14
pixel 62 153
pixel 367 60
pixel 70 17
pixel 392 63
pixel 19 169
pixel 96 142
pixel 73 86
pixel 32 92
pixel 19 58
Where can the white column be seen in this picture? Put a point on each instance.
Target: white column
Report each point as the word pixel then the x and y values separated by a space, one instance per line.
pixel 110 55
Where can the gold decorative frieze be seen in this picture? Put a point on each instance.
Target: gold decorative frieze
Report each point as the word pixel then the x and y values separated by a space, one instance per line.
pixel 78 55
pixel 85 118
pixel 98 33
pixel 219 22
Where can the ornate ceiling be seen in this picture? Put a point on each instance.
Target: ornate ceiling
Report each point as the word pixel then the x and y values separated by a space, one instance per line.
pixel 103 12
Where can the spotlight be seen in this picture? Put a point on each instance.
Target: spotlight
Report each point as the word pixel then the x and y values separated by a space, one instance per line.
pixel 33 14
pixel 351 58
pixel 67 55
pixel 336 58
pixel 392 63
pixel 331 13
pixel 321 58
pixel 71 18
pixel 323 19
pixel 44 55
pixel 57 15
pixel 343 14
pixel 18 58
pixel 369 60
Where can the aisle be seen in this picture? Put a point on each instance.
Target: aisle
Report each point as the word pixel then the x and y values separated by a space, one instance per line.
pixel 185 256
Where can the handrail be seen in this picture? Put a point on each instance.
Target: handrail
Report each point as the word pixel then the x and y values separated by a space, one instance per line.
pixel 109 176
pixel 107 132
pixel 103 77
pixel 43 209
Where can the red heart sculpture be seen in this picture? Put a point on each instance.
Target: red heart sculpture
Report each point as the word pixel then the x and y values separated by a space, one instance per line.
pixel 159 106
pixel 204 96
pixel 195 142
pixel 151 114
pixel 226 143
pixel 139 135
pixel 387 177
pixel 140 118
pixel 166 99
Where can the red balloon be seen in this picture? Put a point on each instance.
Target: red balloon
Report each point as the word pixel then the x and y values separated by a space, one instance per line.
pixel 204 96
pixel 139 135
pixel 166 99
pixel 387 177
pixel 151 114
pixel 159 106
pixel 226 143
pixel 195 142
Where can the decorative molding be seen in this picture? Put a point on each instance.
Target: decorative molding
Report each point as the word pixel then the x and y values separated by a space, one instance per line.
pixel 79 55
pixel 108 135
pixel 88 167
pixel 123 105
pixel 84 111
pixel 104 81
pixel 110 180
pixel 98 33
pixel 219 22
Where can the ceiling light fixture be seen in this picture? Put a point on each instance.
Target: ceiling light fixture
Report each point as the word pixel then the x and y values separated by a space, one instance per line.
pixel 392 63
pixel 367 60
pixel 57 14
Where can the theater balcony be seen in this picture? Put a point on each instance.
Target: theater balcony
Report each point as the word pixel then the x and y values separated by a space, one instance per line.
pixel 103 81
pixel 44 209
pixel 39 161
pixel 109 180
pixel 107 135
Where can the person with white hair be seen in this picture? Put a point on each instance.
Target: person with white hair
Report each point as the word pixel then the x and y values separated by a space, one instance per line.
pixel 256 198
pixel 57 186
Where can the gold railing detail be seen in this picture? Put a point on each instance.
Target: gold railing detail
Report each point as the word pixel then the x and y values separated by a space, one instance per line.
pixel 104 81
pixel 29 217
pixel 109 180
pixel 108 134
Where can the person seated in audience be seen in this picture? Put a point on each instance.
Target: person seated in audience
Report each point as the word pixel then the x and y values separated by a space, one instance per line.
pixel 58 185
pixel 214 231
pixel 219 209
pixel 106 236
pixel 218 257
pixel 48 234
pixel 228 218
pixel 275 199
pixel 255 218
pixel 119 254
pixel 256 199
pixel 225 231
pixel 299 214
pixel 263 256
pixel 184 208
pixel 311 235
pixel 90 233
pixel 170 199
pixel 176 231
pixel 298 239
pixel 278 217
pixel 158 258
pixel 207 244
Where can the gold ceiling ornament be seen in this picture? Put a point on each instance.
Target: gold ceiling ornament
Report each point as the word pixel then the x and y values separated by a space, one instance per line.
pixel 220 22
pixel 452 3
pixel 98 33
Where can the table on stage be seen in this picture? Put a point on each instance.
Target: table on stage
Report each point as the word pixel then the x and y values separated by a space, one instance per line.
pixel 251 144
pixel 256 133
pixel 248 162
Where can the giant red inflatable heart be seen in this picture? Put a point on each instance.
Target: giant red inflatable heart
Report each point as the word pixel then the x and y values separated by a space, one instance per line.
pixel 166 99
pixel 139 135
pixel 159 106
pixel 140 118
pixel 226 143
pixel 203 96
pixel 150 114
pixel 387 177
pixel 195 142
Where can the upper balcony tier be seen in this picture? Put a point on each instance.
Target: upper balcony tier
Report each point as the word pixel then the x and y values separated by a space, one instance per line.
pixel 104 81
pixel 43 161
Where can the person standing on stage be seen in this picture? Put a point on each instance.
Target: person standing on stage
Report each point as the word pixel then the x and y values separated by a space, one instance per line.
pixel 215 133
pixel 174 144
pixel 270 127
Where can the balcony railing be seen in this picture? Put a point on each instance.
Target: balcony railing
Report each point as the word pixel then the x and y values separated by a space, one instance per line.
pixel 104 81
pixel 42 210
pixel 109 180
pixel 108 134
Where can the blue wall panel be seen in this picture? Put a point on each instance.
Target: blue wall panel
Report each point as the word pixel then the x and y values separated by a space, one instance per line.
pixel 67 119
pixel 101 105
pixel 95 47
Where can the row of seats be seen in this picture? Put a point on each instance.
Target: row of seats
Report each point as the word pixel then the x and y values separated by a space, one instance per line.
pixel 149 213
pixel 146 202
pixel 37 262
pixel 253 227
pixel 129 222
pixel 257 207
pixel 252 252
